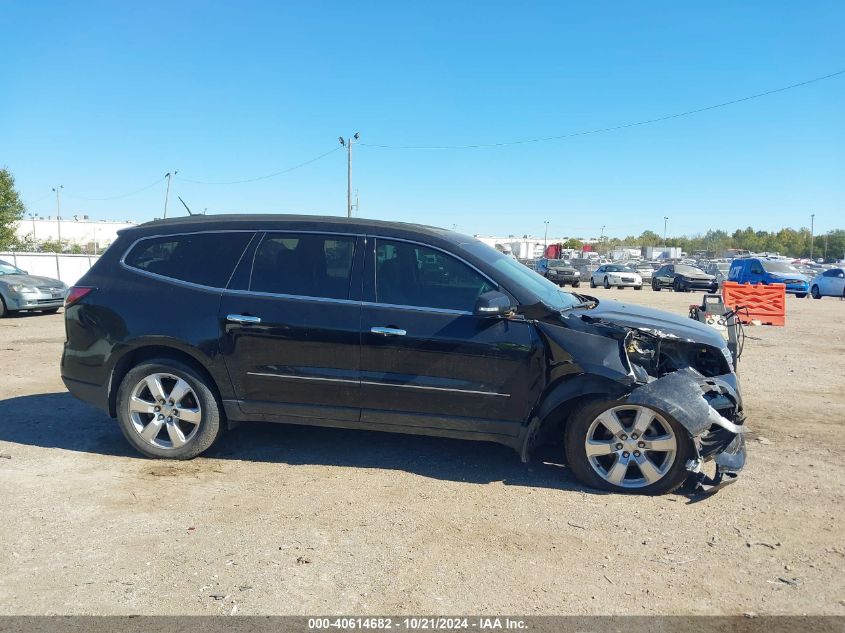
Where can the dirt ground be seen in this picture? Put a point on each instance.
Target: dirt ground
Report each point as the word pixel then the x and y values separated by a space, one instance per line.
pixel 294 520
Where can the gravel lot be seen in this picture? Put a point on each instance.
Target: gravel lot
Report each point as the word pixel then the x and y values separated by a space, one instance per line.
pixel 292 520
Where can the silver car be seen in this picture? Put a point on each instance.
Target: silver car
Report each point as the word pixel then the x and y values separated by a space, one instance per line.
pixel 830 283
pixel 22 291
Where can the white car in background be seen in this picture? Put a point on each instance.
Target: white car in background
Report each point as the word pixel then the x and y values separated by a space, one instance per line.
pixel 830 283
pixel 618 275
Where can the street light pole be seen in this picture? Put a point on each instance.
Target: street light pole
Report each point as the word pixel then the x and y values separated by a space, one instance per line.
pixel 34 242
pixel 348 144
pixel 168 175
pixel 59 214
pixel 665 223
pixel 812 227
pixel 546 237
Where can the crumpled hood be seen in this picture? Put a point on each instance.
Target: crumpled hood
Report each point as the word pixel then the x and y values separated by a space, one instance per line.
pixel 656 321
pixel 30 280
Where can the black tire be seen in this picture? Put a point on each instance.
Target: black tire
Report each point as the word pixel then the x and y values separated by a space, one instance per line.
pixel 575 284
pixel 211 424
pixel 50 311
pixel 3 311
pixel 638 287
pixel 592 282
pixel 678 285
pixel 655 285
pixel 800 295
pixel 606 284
pixel 815 292
pixel 575 436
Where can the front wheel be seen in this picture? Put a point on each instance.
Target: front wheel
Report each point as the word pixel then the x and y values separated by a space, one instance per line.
pixel 815 292
pixel 592 283
pixel 50 311
pixel 3 311
pixel 626 448
pixel 575 284
pixel 638 287
pixel 606 283
pixel 167 410
pixel 678 285
pixel 655 286
pixel 800 295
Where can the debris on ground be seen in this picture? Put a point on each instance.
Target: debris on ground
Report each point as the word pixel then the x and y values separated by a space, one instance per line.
pixel 302 560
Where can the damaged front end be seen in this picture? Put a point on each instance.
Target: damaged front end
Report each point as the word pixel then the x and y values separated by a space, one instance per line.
pixel 670 364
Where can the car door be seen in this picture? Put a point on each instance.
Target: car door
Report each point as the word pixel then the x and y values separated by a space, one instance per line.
pixel 664 275
pixel 756 273
pixel 291 318
pixel 598 275
pixel 429 363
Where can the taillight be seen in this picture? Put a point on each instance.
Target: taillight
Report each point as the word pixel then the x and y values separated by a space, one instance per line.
pixel 75 294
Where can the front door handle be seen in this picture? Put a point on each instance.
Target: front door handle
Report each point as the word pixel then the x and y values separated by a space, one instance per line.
pixel 244 319
pixel 388 331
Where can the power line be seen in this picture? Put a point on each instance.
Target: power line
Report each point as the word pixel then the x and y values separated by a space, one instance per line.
pixel 274 174
pixel 608 129
pixel 123 195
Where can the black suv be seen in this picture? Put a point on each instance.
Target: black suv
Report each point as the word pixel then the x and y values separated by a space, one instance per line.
pixel 188 326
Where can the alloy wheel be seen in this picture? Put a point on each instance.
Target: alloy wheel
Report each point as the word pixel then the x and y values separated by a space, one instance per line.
pixel 631 446
pixel 164 411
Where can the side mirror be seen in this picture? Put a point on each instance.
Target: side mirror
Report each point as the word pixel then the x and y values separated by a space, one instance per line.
pixel 492 304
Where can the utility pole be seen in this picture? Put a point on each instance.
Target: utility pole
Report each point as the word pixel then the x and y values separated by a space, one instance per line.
pixel 59 214
pixel 825 245
pixel 169 176
pixel 812 227
pixel 348 144
pixel 546 237
pixel 665 223
pixel 34 242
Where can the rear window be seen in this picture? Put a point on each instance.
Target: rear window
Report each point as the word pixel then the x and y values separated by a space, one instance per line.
pixel 207 259
pixel 306 265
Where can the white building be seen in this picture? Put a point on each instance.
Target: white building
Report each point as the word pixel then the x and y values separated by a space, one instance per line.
pixel 78 230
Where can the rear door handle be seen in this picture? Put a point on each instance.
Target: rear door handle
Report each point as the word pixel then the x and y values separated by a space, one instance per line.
pixel 244 319
pixel 388 331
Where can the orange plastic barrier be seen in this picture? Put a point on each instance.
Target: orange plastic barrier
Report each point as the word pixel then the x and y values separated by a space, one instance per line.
pixel 765 302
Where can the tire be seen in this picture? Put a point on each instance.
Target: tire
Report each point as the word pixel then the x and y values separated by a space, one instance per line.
pixel 592 282
pixel 669 466
pixel 575 284
pixel 50 311
pixel 3 311
pixel 199 402
pixel 638 287
pixel 677 285
pixel 655 285
pixel 800 295
pixel 815 292
pixel 606 284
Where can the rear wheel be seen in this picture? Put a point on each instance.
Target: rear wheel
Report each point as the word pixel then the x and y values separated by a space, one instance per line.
pixel 815 292
pixel 50 311
pixel 592 283
pixel 166 410
pixel 626 448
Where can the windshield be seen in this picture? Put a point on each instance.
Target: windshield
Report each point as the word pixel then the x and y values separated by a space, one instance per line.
pixel 512 273
pixel 778 267
pixel 616 268
pixel 7 269
pixel 683 268
pixel 559 262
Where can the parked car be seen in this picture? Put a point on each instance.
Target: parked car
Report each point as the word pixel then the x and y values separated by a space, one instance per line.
pixel 763 270
pixel 609 275
pixel 562 272
pixel 682 278
pixel 830 283
pixel 20 291
pixel 391 327
pixel 644 270
pixel 719 270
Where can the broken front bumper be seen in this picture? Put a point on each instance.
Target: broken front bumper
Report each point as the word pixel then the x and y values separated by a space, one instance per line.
pixel 710 409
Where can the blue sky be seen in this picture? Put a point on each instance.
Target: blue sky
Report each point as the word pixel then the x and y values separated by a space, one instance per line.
pixel 106 97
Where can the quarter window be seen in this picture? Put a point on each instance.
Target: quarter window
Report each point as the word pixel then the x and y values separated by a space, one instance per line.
pixel 303 265
pixel 414 275
pixel 207 259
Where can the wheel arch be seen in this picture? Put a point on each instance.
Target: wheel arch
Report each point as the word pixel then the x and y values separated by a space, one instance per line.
pixel 551 415
pixel 149 350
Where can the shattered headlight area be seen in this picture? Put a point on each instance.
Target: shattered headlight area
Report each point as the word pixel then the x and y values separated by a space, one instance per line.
pixel 709 409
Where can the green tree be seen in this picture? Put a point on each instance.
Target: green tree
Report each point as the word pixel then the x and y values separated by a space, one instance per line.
pixel 12 209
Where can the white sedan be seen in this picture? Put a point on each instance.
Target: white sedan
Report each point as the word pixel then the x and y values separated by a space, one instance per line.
pixel 830 283
pixel 609 275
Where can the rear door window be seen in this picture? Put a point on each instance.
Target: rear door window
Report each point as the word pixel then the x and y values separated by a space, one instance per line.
pixel 415 275
pixel 207 259
pixel 306 265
